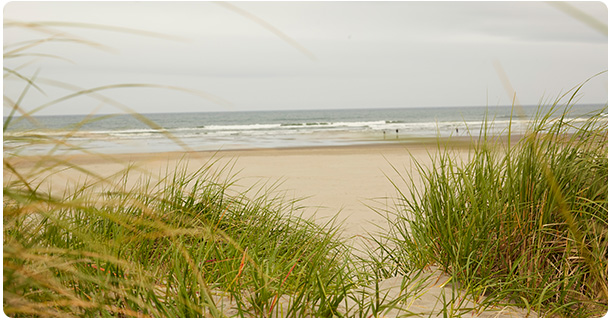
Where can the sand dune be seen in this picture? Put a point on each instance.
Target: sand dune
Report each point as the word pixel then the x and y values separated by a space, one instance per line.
pixel 351 183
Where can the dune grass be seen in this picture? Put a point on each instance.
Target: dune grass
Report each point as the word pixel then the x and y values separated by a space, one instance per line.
pixel 179 247
pixel 523 223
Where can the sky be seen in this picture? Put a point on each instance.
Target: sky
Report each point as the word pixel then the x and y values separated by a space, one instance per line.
pixel 238 56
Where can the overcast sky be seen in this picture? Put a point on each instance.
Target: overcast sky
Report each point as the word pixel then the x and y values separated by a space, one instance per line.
pixel 309 55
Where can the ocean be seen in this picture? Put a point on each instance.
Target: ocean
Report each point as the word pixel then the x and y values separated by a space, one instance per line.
pixel 257 129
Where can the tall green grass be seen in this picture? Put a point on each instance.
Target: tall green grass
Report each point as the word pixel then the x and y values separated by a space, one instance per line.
pixel 180 247
pixel 522 223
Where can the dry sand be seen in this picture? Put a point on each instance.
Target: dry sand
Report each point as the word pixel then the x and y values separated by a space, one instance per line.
pixel 337 181
pixel 342 182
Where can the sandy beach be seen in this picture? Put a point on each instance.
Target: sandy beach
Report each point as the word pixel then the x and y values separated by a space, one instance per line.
pixel 342 182
pixel 351 183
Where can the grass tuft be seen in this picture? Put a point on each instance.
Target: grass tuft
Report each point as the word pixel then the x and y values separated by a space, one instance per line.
pixel 522 223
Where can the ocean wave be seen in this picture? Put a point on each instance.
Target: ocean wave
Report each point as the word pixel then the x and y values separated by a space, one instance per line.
pixel 322 125
pixel 241 127
pixel 314 128
pixel 306 124
pixel 274 128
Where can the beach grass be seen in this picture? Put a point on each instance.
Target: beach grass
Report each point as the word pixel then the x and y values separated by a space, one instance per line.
pixel 521 222
pixel 177 247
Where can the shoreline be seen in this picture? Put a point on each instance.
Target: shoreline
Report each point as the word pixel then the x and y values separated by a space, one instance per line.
pixel 366 147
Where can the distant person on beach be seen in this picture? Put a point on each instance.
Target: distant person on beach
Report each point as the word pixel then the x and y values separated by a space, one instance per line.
pixel 384 134
pixel 397 133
